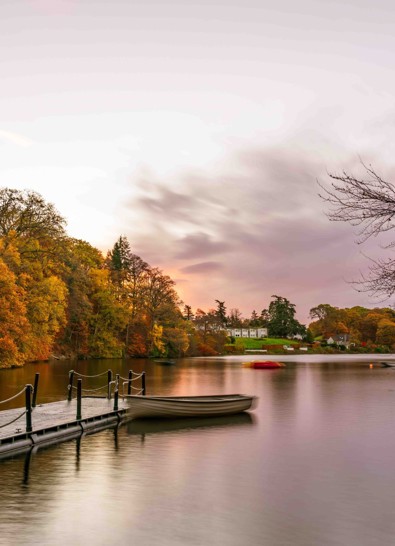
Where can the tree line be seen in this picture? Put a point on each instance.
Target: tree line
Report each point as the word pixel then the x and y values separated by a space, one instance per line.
pixel 60 295
pixel 279 318
pixel 365 327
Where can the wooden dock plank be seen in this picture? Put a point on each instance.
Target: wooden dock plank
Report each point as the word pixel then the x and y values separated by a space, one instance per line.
pixel 55 414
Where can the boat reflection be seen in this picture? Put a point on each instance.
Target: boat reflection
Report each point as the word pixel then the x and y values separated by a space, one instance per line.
pixel 155 426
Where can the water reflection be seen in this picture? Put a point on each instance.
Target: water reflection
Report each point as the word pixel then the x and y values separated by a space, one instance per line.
pixel 140 427
pixel 312 465
pixel 155 426
pixel 26 467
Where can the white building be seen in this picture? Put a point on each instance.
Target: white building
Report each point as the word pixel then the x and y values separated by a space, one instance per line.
pixel 247 332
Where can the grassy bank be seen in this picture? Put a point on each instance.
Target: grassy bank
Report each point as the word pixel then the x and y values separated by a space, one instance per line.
pixel 275 346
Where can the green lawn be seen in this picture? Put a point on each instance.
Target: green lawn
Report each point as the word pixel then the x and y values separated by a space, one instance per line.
pixel 251 343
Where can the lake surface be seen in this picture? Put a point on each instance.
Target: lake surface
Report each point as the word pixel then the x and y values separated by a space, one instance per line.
pixel 313 464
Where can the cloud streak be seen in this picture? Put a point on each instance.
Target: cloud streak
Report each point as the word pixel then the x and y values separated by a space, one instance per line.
pixel 15 138
pixel 249 231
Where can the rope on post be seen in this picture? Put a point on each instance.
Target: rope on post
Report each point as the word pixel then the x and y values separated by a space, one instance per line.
pixel 70 386
pixel 13 397
pixel 133 376
pixel 87 376
pixel 133 388
pixel 94 390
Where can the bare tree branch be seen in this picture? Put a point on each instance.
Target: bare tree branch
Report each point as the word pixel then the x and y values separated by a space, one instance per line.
pixel 368 203
pixel 380 280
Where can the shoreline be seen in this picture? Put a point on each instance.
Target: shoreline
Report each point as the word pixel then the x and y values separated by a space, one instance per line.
pixel 308 357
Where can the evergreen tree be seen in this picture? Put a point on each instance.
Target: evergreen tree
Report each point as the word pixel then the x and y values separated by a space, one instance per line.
pixel 220 312
pixel 254 320
pixel 235 318
pixel 188 314
pixel 282 322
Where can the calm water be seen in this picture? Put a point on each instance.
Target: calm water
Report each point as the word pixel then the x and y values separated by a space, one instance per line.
pixel 313 465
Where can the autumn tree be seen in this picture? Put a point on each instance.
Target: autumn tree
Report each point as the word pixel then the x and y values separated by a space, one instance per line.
pixel 108 319
pixel 329 320
pixel 32 241
pixel 129 275
pixel 46 312
pixel 31 223
pixel 14 326
pixel 386 332
pixel 160 303
pixel 80 260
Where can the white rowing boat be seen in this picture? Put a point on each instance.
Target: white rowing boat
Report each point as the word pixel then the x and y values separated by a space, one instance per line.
pixel 170 407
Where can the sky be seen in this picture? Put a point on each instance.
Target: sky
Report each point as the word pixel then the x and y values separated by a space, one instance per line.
pixel 199 131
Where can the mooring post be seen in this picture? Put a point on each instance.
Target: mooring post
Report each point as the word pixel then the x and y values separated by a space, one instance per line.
pixel 109 379
pixel 130 381
pixel 79 397
pixel 35 389
pixel 116 392
pixel 70 386
pixel 143 383
pixel 28 398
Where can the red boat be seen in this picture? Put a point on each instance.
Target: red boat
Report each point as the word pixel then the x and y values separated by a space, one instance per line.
pixel 265 365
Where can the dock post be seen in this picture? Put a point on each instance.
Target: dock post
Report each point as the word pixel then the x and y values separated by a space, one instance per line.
pixel 28 398
pixel 143 383
pixel 79 397
pixel 109 380
pixel 35 389
pixel 130 381
pixel 116 394
pixel 70 385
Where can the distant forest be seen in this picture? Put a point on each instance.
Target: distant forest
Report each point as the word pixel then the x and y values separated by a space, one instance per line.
pixel 61 297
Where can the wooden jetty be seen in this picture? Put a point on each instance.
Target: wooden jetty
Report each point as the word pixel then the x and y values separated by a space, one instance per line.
pixel 37 425
pixel 56 422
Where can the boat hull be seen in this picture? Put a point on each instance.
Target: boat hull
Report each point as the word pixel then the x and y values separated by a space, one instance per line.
pixel 171 407
pixel 265 365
